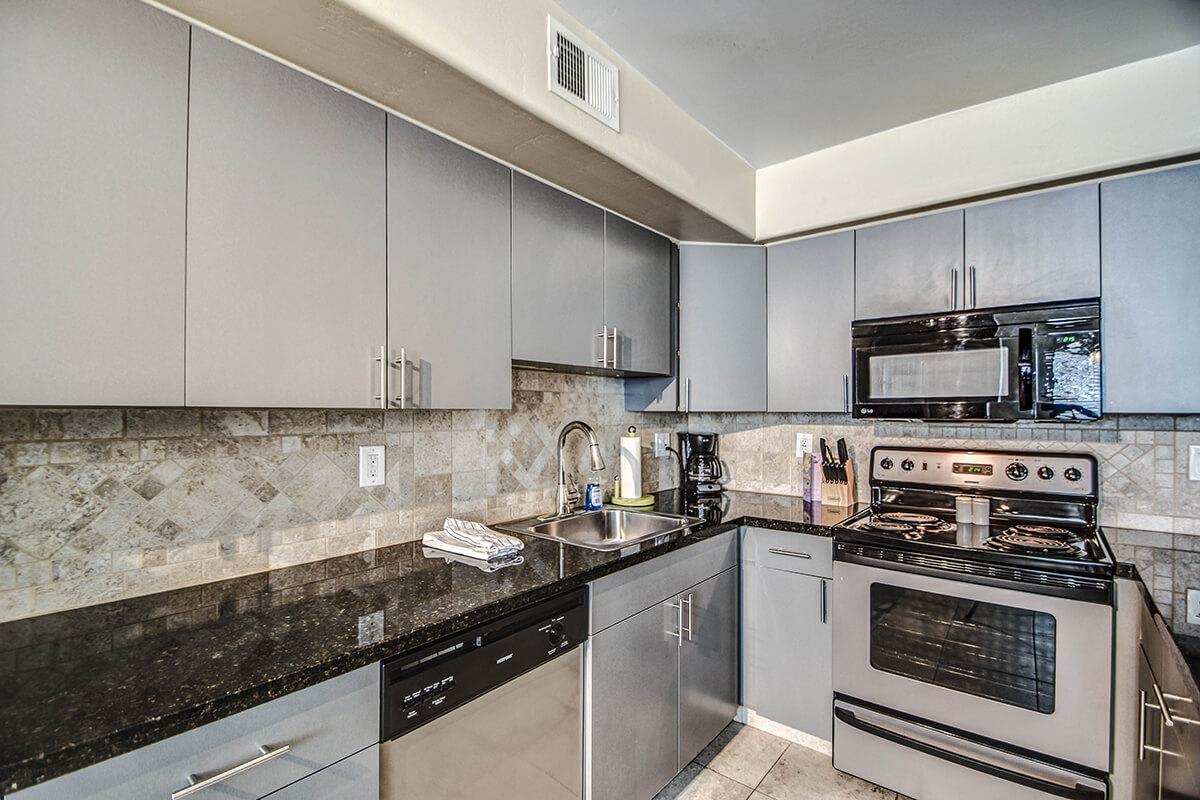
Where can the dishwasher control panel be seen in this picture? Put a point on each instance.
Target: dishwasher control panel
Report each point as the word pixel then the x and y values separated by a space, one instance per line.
pixel 424 684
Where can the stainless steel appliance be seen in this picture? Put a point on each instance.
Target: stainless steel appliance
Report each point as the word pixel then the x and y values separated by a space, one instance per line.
pixel 1006 364
pixel 494 712
pixel 974 660
pixel 701 459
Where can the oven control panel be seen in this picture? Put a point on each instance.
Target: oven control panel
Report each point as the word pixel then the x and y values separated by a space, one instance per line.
pixel 995 470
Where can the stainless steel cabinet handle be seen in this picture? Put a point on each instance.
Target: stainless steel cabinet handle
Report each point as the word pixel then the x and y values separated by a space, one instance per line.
pixel 689 605
pixel 687 396
pixel 846 393
pixel 197 785
pixel 1168 718
pixel 1142 724
pixel 381 359
pixel 824 603
pixel 602 359
pixel 402 364
pixel 954 289
pixel 792 553
pixel 974 285
pixel 615 342
pixel 680 629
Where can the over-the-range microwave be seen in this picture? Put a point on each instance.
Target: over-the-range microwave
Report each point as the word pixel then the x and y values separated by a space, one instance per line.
pixel 1034 362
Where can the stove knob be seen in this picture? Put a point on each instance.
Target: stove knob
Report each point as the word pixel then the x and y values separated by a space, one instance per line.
pixel 907 465
pixel 1017 471
pixel 1072 474
pixel 886 463
pixel 557 634
pixel 1045 473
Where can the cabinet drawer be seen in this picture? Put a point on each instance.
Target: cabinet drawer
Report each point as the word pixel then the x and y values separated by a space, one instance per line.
pixel 321 725
pixel 793 552
pixel 621 595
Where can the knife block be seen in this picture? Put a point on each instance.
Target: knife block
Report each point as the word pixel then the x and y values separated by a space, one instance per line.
pixel 836 493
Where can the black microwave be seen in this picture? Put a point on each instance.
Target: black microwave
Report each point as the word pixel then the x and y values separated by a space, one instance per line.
pixel 1035 362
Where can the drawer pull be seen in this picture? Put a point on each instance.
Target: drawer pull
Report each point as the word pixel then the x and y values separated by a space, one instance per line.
pixel 792 553
pixel 196 785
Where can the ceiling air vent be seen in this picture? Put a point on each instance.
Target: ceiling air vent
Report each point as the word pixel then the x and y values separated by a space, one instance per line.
pixel 581 76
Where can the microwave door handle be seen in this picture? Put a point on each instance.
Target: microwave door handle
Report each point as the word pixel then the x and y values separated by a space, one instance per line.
pixel 1025 369
pixel 1053 788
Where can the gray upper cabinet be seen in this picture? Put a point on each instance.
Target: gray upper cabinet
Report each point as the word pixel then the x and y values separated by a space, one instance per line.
pixel 913 266
pixel 708 663
pixel 723 328
pixel 449 277
pixel 1034 249
pixel 637 296
pixel 810 304
pixel 286 236
pixel 1151 254
pixel 93 138
pixel 557 276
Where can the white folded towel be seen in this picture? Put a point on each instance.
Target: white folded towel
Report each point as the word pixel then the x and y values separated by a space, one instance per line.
pixel 472 540
pixel 514 560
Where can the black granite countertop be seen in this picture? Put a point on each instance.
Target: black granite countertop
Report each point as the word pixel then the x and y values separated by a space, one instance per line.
pixel 85 685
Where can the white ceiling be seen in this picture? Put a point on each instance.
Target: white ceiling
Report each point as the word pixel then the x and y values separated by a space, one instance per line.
pixel 775 79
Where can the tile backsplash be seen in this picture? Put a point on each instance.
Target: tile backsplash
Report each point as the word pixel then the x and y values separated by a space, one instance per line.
pixel 104 503
pixel 1150 510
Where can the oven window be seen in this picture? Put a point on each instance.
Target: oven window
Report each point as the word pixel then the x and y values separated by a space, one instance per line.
pixel 993 651
pixel 944 373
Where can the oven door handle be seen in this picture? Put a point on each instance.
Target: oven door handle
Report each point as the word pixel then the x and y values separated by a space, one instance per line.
pixel 1076 792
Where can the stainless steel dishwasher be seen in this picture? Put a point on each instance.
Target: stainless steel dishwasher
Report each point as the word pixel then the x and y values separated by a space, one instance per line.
pixel 495 712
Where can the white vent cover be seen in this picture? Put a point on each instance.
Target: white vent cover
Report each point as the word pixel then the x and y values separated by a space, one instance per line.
pixel 581 76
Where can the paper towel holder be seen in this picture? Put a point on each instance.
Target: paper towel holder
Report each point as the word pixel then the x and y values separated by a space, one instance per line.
pixel 631 467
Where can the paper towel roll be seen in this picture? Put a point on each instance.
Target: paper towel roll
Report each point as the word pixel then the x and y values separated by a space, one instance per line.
pixel 631 465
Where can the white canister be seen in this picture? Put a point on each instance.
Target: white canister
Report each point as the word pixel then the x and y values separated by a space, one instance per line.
pixel 981 510
pixel 963 508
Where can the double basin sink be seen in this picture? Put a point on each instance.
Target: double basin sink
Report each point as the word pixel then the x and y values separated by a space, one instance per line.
pixel 606 529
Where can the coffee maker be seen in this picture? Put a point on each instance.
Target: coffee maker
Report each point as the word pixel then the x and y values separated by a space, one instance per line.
pixel 701 463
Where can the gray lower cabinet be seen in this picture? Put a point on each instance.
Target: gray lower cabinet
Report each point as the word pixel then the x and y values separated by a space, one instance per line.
pixel 286 239
pixel 353 778
pixel 722 327
pixel 449 276
pixel 1040 248
pixel 708 663
pixel 637 297
pixel 787 630
pixel 93 176
pixel 1150 250
pixel 557 276
pixel 308 730
pixel 913 266
pixel 810 304
pixel 635 705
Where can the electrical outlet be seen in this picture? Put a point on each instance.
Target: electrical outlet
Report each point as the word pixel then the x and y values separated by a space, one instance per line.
pixel 1194 462
pixel 370 628
pixel 370 465
pixel 1193 606
pixel 661 442
pixel 803 444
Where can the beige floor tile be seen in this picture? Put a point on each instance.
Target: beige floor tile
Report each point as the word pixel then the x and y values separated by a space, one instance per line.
pixel 803 774
pixel 748 756
pixel 698 783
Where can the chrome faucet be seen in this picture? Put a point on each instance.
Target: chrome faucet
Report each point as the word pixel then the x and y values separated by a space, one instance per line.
pixel 563 503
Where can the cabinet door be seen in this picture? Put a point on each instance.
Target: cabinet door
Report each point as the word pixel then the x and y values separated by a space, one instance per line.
pixel 787 633
pixel 449 276
pixel 93 183
pixel 637 296
pixel 1147 777
pixel 1151 249
pixel 635 705
pixel 810 303
pixel 1035 249
pixel 913 266
pixel 723 328
pixel 353 778
pixel 708 663
pixel 557 276
pixel 286 236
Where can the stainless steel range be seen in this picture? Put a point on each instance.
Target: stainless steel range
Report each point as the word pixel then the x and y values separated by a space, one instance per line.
pixel 973 644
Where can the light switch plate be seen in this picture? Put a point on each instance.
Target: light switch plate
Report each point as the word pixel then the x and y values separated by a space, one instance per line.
pixel 1193 606
pixel 1194 462
pixel 661 442
pixel 370 465
pixel 803 444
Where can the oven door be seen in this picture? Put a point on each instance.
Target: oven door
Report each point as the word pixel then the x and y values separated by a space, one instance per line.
pixel 942 376
pixel 1026 669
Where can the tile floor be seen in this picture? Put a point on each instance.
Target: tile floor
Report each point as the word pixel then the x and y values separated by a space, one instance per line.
pixel 747 764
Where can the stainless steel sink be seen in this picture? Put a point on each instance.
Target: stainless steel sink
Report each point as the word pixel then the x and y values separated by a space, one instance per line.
pixel 606 529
